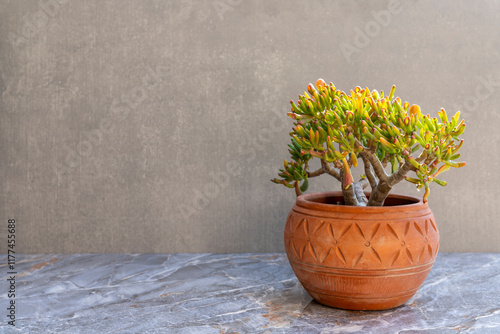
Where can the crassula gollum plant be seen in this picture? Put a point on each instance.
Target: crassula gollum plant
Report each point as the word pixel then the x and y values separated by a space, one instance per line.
pixel 378 130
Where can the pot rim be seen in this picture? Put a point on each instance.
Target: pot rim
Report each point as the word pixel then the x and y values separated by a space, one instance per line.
pixel 306 201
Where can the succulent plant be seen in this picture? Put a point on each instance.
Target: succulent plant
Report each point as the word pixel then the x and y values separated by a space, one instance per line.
pixel 341 129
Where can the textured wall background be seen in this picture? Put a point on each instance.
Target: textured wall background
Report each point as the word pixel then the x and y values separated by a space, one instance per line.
pixel 155 126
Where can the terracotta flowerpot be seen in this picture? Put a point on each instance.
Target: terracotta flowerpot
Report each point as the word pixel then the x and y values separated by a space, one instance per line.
pixel 361 258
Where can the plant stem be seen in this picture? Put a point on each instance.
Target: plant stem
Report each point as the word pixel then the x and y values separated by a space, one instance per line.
pixel 348 192
pixel 359 193
pixel 316 173
pixel 376 164
pixel 297 189
pixel 326 166
pixel 380 193
pixel 369 172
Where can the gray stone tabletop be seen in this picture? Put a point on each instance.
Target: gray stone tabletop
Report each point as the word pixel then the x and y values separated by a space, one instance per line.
pixel 231 293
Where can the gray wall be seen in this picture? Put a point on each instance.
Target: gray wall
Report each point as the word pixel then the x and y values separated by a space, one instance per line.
pixel 155 126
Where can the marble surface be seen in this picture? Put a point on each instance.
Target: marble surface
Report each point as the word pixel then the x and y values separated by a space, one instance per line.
pixel 232 293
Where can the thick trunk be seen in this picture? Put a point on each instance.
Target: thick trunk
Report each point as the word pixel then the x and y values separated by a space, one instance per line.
pixel 376 176
pixel 349 197
pixel 348 192
pixel 354 194
pixel 369 172
pixel 359 192
pixel 379 194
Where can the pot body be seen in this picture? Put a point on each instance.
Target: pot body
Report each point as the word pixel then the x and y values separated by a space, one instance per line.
pixel 361 258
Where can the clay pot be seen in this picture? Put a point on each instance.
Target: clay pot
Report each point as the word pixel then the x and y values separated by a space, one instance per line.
pixel 361 258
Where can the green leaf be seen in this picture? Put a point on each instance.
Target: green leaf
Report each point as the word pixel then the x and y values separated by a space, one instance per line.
pixel 304 185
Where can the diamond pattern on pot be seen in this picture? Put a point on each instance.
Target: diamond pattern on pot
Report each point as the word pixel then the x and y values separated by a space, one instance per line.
pixel 355 244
